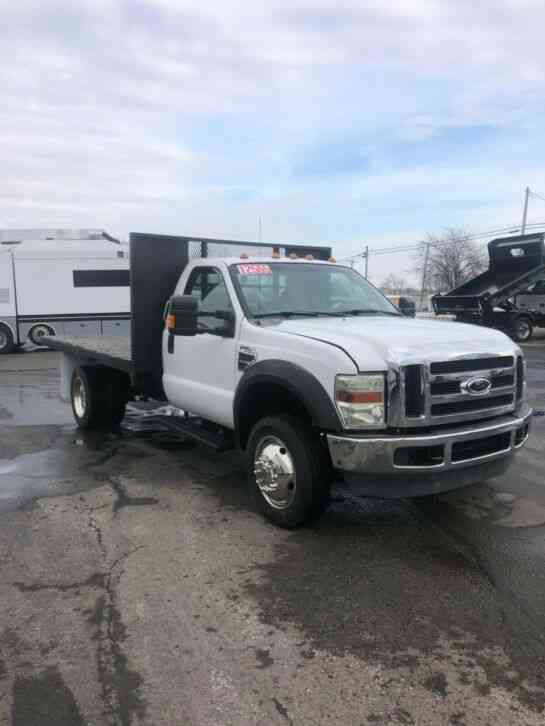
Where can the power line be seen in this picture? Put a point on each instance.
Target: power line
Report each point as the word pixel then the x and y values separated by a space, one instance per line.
pixel 535 194
pixel 417 245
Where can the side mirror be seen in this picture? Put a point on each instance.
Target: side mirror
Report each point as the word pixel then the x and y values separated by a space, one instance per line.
pixel 182 314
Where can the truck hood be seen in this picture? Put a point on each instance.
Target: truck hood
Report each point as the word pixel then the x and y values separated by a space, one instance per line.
pixel 373 341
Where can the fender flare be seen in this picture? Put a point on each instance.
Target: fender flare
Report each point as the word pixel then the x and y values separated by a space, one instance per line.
pixel 296 381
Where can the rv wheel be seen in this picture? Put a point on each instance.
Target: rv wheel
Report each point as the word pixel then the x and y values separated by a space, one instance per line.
pixel 38 332
pixel 6 339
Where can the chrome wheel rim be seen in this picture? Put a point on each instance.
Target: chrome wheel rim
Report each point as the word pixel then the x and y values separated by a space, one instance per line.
pixel 80 398
pixel 523 329
pixel 3 339
pixel 274 472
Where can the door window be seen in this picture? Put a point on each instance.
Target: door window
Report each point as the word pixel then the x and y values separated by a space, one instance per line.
pixel 207 285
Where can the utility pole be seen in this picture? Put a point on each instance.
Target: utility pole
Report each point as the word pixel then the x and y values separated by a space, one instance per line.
pixel 424 273
pixel 260 230
pixel 366 261
pixel 525 212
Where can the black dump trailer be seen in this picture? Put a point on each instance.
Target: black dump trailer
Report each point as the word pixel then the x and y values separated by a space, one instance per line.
pixel 122 368
pixel 515 264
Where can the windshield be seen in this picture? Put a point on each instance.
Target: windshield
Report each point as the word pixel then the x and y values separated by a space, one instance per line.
pixel 287 288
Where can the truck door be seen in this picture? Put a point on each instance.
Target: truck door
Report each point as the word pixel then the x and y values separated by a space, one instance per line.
pixel 199 375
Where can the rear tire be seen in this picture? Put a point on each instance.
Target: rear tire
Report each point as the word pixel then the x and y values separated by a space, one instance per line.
pixel 289 471
pixel 522 329
pixel 7 344
pixel 99 397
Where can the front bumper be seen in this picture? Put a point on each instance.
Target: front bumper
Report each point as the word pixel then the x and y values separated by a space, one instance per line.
pixel 415 465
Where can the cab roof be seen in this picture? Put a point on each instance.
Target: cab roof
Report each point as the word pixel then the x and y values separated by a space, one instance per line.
pixel 263 260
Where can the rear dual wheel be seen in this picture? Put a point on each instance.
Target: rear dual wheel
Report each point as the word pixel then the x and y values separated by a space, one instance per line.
pixel 99 397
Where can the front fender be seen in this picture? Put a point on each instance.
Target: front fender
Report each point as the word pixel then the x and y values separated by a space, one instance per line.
pixel 296 381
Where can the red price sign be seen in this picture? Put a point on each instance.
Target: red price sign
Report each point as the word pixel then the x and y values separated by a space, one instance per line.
pixel 254 269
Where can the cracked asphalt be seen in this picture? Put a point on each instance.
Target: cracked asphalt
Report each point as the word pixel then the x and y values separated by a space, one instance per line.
pixel 138 586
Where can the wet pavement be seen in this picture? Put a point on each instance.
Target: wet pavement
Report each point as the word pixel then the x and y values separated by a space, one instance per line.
pixel 139 587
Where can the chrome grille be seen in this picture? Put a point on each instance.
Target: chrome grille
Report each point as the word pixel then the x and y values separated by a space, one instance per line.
pixel 436 392
pixel 473 365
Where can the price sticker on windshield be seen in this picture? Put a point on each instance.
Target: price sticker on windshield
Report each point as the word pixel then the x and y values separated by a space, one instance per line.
pixel 254 269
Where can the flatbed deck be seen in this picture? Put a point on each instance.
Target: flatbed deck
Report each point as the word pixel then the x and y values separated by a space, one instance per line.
pixel 112 351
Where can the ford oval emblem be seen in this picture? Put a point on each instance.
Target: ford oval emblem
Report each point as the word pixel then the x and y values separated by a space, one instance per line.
pixel 476 386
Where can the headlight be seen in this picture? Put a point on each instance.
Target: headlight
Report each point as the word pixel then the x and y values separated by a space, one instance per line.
pixel 360 400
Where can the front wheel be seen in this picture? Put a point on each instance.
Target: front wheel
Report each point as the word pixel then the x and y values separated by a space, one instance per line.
pixel 522 329
pixel 289 471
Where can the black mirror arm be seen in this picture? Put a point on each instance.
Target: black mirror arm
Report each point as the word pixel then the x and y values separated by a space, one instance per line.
pixel 226 315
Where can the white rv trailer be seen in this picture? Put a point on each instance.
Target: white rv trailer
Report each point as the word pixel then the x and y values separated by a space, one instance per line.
pixel 62 286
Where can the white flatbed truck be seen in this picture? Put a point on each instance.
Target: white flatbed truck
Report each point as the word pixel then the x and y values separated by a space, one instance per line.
pixel 309 369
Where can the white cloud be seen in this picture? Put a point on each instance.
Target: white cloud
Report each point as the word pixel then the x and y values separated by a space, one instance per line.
pixel 191 117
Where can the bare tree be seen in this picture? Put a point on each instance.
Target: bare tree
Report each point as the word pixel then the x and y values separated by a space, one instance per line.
pixel 452 259
pixel 394 284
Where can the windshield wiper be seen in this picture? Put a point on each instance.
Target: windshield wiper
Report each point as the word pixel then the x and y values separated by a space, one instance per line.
pixel 367 311
pixel 292 313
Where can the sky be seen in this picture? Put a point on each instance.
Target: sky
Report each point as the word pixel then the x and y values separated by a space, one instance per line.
pixel 345 123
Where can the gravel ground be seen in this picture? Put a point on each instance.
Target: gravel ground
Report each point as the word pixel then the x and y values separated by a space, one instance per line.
pixel 139 586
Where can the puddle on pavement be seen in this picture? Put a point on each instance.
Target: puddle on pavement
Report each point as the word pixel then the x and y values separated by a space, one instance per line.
pixel 53 472
pixel 502 509
pixel 80 459
pixel 35 402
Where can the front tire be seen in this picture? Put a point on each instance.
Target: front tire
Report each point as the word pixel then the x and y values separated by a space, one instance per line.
pixel 522 329
pixel 7 344
pixel 289 471
pixel 99 397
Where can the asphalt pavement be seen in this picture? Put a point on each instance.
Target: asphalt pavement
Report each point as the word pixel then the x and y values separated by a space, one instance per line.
pixel 138 586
